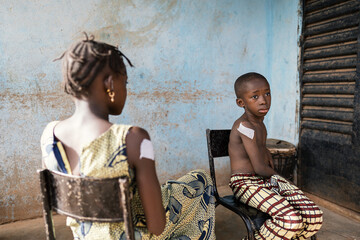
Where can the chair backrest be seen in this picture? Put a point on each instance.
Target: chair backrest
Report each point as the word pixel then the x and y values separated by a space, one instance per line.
pixel 217 143
pixel 86 199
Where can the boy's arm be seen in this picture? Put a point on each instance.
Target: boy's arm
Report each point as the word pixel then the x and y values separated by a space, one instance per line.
pixel 271 162
pixel 257 158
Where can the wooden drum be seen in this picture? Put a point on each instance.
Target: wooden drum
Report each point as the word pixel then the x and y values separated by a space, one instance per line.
pixel 284 157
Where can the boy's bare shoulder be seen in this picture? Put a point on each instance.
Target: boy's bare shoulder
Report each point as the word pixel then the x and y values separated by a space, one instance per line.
pixel 244 122
pixel 242 128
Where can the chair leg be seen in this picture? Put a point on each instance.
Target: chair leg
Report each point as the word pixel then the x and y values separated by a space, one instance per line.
pixel 251 235
pixel 49 227
pixel 125 202
pixel 249 227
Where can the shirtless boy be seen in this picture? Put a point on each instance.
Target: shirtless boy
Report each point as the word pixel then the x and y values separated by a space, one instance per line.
pixel 254 180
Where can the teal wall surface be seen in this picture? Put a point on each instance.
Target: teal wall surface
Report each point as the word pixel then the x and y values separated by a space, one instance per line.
pixel 187 55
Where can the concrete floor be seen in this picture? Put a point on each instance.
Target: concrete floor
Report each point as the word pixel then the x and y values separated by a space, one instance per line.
pixel 228 226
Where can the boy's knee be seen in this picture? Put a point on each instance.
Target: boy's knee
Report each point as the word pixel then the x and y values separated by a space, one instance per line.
pixel 320 212
pixel 319 215
pixel 294 221
pixel 315 220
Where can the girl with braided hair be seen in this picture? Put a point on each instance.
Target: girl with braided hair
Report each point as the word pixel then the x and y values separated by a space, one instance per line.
pixel 87 144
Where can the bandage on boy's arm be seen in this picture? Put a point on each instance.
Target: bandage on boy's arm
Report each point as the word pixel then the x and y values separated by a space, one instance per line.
pixel 246 131
pixel 255 156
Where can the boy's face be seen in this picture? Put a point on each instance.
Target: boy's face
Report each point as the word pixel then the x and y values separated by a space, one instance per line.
pixel 256 98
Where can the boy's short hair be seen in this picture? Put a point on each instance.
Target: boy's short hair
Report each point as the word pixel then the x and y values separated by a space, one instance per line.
pixel 240 83
pixel 84 60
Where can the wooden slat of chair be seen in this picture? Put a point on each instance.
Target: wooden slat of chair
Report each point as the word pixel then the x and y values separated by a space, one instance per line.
pixel 45 197
pixel 85 199
pixel 125 205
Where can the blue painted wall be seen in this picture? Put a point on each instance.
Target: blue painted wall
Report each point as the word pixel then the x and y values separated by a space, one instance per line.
pixel 187 56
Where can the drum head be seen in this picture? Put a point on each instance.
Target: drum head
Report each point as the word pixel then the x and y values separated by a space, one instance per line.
pixel 280 146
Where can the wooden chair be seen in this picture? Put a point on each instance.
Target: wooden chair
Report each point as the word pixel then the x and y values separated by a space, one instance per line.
pixel 85 199
pixel 217 142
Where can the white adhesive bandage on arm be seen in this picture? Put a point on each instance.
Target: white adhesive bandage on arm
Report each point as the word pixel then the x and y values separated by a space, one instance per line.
pixel 246 131
pixel 146 149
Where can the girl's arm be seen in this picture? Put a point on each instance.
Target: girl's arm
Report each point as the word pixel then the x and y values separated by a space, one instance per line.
pixel 147 181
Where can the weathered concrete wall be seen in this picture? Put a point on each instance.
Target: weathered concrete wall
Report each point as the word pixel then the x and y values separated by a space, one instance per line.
pixel 187 56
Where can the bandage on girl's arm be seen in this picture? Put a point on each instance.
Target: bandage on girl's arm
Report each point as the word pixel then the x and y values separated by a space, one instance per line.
pixel 147 149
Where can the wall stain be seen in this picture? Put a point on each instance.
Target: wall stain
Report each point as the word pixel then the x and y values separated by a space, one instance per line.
pixel 169 96
pixel 244 52
pixel 146 33
pixel 19 200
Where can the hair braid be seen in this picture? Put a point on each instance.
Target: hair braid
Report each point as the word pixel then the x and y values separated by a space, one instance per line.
pixel 84 60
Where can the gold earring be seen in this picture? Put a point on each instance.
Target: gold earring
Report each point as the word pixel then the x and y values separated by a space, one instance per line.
pixel 111 95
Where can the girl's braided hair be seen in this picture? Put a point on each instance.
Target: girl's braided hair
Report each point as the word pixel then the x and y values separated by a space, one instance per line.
pixel 84 60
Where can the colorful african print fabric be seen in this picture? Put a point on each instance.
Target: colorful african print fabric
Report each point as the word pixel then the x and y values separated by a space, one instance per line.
pixel 189 202
pixel 293 215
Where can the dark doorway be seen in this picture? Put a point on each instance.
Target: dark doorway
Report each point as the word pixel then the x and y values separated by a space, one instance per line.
pixel 329 146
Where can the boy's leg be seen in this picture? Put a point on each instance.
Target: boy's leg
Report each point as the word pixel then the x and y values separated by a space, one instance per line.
pixel 285 221
pixel 311 214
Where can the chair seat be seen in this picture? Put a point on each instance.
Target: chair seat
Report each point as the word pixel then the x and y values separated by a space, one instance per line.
pixel 257 217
